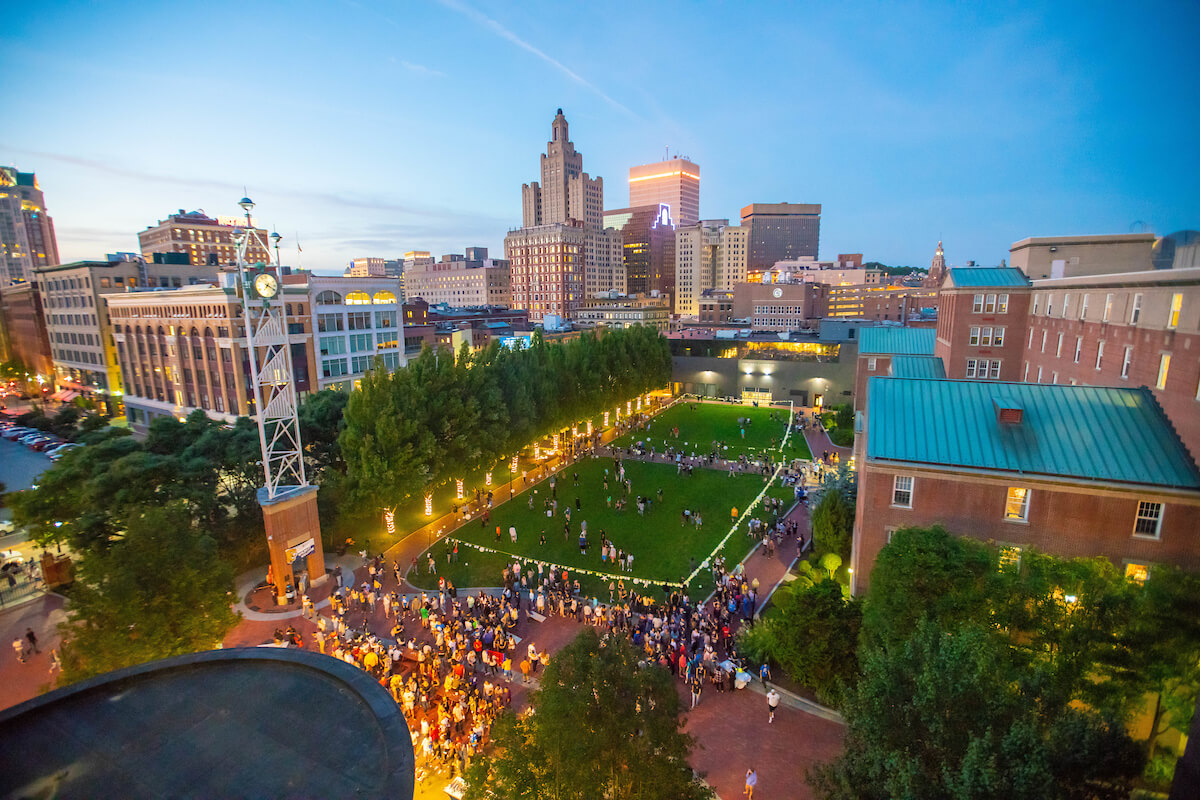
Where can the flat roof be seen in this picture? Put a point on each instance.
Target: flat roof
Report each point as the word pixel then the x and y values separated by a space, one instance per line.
pixel 898 341
pixel 1099 238
pixel 242 722
pixel 1082 432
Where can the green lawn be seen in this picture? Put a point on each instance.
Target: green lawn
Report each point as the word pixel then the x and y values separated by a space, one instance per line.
pixel 662 548
pixel 701 423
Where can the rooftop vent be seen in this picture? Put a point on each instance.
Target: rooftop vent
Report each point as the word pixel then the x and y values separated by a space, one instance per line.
pixel 1008 412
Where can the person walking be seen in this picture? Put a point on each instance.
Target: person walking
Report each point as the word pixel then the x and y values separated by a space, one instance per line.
pixel 751 782
pixel 32 637
pixel 19 647
pixel 697 686
pixel 772 704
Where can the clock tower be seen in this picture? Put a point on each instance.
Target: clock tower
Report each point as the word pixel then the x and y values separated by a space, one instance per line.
pixel 288 502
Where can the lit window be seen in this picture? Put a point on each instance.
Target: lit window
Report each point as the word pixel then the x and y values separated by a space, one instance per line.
pixel 1137 572
pixel 974 336
pixel 1016 507
pixel 1176 307
pixel 1164 365
pixel 1148 522
pixel 989 305
pixel 985 337
pixel 998 337
pixel 1002 304
pixel 902 491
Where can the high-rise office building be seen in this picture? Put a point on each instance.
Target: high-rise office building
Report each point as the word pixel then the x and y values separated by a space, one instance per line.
pixel 647 236
pixel 462 281
pixel 201 239
pixel 26 230
pixel 675 182
pixel 708 255
pixel 781 232
pixel 561 241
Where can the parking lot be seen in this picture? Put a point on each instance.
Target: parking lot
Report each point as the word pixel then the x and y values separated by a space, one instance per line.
pixel 20 466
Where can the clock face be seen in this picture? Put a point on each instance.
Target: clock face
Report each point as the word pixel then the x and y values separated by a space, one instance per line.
pixel 266 285
pixel 777 293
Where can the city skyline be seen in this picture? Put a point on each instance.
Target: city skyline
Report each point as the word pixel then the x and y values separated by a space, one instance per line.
pixel 977 127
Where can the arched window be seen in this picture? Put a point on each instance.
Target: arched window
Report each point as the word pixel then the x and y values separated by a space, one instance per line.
pixel 382 298
pixel 358 299
pixel 329 298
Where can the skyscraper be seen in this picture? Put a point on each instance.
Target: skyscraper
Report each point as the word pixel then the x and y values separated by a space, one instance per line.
pixel 561 241
pixel 781 232
pixel 675 182
pixel 647 247
pixel 708 255
pixel 26 230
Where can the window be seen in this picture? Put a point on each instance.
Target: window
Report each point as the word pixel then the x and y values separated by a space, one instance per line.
pixel 361 343
pixel 1107 307
pixel 358 299
pixel 1164 365
pixel 985 337
pixel 1148 522
pixel 358 320
pixel 1010 557
pixel 360 363
pixel 1016 506
pixel 1125 362
pixel 1035 306
pixel 998 337
pixel 974 336
pixel 1099 353
pixel 1025 377
pixel 989 305
pixel 1029 344
pixel 385 319
pixel 391 360
pixel 1058 348
pixel 1054 378
pixel 1136 312
pixel 1137 572
pixel 1083 307
pixel 329 322
pixel 978 306
pixel 1176 307
pixel 1002 304
pixel 1044 334
pixel 1039 377
pixel 1078 347
pixel 902 491
pixel 970 368
pixel 1049 305
pixel 329 298
pixel 333 368
pixel 995 369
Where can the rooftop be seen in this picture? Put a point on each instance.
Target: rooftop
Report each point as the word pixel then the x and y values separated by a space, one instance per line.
pixel 1100 238
pixel 980 277
pixel 897 341
pixel 1081 432
pixel 243 722
pixel 918 367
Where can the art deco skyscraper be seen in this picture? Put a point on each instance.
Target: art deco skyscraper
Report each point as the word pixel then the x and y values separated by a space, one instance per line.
pixel 26 230
pixel 561 240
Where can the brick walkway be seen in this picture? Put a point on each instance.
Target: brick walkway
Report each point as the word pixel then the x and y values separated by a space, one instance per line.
pixel 20 682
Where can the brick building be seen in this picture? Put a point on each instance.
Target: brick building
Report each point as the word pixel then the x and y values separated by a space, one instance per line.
pixel 24 336
pixel 202 239
pixel 1069 470
pixel 879 347
pixel 982 315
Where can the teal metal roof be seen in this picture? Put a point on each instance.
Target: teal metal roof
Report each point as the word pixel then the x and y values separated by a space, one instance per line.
pixel 964 277
pixel 896 341
pixel 918 367
pixel 1086 432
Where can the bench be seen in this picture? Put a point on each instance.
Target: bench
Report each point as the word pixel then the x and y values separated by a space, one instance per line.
pixel 535 616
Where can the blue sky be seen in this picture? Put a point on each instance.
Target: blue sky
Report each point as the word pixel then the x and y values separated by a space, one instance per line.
pixel 371 128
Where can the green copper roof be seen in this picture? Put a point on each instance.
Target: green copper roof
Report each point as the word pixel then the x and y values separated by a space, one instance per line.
pixel 982 277
pixel 918 367
pixel 1085 432
pixel 889 341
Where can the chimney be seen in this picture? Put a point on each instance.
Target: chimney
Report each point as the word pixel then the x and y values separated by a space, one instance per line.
pixel 1008 412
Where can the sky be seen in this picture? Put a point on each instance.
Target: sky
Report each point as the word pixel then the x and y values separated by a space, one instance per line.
pixel 369 128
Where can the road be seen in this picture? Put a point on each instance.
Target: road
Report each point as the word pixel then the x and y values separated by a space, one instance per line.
pixel 20 466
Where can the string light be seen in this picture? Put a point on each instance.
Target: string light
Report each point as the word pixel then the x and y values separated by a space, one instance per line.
pixel 389 519
pixel 458 485
pixel 429 505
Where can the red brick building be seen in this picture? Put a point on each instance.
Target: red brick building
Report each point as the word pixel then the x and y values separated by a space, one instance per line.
pixel 1069 470
pixel 982 315
pixel 25 337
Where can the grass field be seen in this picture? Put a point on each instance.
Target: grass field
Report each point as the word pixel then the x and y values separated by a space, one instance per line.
pixel 701 423
pixel 662 548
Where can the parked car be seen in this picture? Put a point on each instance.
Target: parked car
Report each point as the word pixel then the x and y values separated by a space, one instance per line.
pixel 48 443
pixel 56 453
pixel 26 438
pixel 16 432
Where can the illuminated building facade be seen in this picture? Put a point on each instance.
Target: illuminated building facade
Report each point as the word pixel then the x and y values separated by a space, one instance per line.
pixel 355 321
pixel 647 236
pixel 781 232
pixel 26 230
pixel 708 255
pixel 24 335
pixel 375 268
pixel 203 240
pixel 675 183
pixel 461 281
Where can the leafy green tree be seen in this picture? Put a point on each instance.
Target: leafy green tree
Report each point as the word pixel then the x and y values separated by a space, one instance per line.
pixel 833 516
pixel 603 725
pixel 160 591
pixel 942 716
pixel 812 634
pixel 321 422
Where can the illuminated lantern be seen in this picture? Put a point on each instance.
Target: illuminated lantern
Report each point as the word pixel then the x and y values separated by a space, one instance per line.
pixel 574 431
pixel 458 485
pixel 389 519
pixel 628 406
pixel 429 505
pixel 513 467
pixel 537 451
pixel 639 404
pixel 606 419
pixel 590 427
pixel 487 479
pixel 556 441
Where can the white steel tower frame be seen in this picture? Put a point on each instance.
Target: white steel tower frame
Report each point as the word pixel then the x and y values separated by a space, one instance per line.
pixel 270 370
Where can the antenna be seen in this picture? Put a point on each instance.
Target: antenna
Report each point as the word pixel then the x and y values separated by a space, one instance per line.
pixel 666 152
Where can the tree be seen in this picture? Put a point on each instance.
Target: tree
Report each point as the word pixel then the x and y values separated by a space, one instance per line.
pixel 942 716
pixel 833 518
pixel 604 724
pixel 160 591
pixel 812 635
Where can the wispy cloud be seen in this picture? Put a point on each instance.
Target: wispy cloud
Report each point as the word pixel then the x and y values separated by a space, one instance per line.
pixel 495 27
pixel 421 69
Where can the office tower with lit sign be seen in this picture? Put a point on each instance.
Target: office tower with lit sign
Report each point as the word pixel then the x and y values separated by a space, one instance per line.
pixel 675 182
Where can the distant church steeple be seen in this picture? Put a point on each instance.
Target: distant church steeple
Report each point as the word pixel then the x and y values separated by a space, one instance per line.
pixel 937 268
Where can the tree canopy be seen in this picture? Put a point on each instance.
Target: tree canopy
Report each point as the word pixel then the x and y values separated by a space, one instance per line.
pixel 603 724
